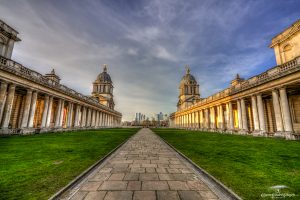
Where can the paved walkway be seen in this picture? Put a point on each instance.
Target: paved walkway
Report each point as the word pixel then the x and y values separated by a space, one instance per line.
pixel 144 168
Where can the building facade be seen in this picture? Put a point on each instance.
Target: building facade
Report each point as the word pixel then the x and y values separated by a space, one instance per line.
pixel 267 104
pixel 103 89
pixel 188 90
pixel 31 102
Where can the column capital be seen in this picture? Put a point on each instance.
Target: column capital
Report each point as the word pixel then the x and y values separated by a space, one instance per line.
pixel 12 85
pixel 3 82
pixel 276 89
pixel 282 87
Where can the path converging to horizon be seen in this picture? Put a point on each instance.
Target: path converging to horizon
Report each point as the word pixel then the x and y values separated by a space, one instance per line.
pixel 144 168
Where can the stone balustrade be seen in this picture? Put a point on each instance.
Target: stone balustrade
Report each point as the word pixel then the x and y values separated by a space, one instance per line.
pixel 271 74
pixel 31 103
pixel 19 70
pixel 263 105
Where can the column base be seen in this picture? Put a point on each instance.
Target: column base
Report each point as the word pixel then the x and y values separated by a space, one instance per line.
pixel 221 130
pixel 290 136
pixel 243 132
pixel 28 131
pixel 46 130
pixel 8 131
pixel 279 134
pixel 258 133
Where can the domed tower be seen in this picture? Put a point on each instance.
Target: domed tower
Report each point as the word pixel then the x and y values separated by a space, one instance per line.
pixel 103 89
pixel 188 90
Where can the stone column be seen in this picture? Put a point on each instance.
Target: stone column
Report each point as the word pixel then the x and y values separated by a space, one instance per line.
pixel 92 117
pixel 101 119
pixel 8 105
pixel 70 114
pixel 104 119
pixel 197 120
pixel 97 118
pixel 3 91
pixel 187 121
pixel 227 117
pixel 76 121
pixel 277 112
pixel 201 119
pixel 261 115
pixel 255 113
pixel 88 118
pixel 212 118
pixel 239 109
pixel 56 124
pixel 45 111
pixel 61 118
pixel 221 119
pixel 218 119
pixel 83 117
pixel 26 110
pixel 32 109
pixel 230 113
pixel 288 127
pixel 244 115
pixel 206 118
pixel 191 120
pixel 49 113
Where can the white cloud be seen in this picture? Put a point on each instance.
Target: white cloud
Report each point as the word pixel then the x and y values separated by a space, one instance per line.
pixel 145 44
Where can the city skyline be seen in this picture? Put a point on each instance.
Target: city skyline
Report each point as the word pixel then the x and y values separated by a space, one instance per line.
pixel 147 44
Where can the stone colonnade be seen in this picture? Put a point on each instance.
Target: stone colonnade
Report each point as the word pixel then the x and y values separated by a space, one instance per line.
pixel 261 114
pixel 27 110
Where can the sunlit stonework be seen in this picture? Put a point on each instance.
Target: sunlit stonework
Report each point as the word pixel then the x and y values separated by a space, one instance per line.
pixel 188 90
pixel 31 102
pixel 103 89
pixel 267 104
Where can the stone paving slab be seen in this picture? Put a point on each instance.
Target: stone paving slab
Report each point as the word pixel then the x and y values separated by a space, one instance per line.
pixel 144 168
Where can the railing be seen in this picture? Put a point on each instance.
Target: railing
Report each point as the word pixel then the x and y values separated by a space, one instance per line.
pixel 18 69
pixel 273 73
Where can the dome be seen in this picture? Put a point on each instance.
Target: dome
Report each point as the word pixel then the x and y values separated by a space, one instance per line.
pixel 104 77
pixel 188 78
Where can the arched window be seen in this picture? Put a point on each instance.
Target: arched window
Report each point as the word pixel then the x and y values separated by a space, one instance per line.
pixel 185 89
pixel 288 55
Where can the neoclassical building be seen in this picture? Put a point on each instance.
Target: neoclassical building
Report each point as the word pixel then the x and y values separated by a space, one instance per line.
pixel 103 89
pixel 188 90
pixel 31 102
pixel 267 104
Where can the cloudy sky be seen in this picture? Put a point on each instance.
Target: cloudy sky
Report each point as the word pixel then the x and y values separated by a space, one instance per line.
pixel 146 43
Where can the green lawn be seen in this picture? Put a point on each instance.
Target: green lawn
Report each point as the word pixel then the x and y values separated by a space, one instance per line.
pixel 37 166
pixel 248 165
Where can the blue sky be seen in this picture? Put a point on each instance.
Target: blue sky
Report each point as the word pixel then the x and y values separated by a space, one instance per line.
pixel 147 43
